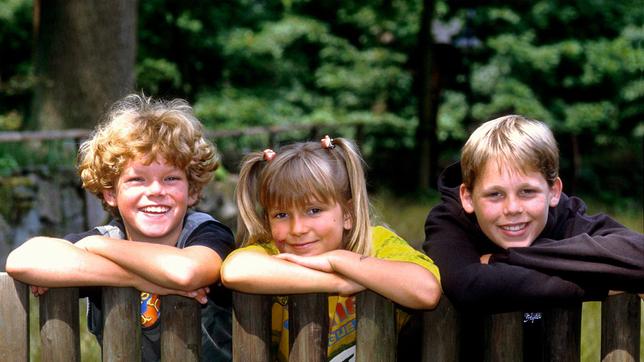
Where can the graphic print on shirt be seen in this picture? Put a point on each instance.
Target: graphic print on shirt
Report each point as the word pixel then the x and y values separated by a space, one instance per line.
pixel 150 309
pixel 342 330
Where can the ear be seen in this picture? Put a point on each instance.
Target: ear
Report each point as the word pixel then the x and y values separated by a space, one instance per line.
pixel 466 199
pixel 348 220
pixel 192 199
pixel 109 195
pixel 555 192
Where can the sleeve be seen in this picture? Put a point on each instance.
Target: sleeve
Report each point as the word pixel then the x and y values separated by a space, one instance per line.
pixel 451 242
pixel 389 246
pixel 215 236
pixel 600 252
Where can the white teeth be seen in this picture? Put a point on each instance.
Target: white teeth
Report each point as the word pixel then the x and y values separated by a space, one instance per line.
pixel 516 227
pixel 156 209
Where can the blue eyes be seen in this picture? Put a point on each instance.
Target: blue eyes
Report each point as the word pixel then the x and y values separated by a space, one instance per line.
pixel 312 211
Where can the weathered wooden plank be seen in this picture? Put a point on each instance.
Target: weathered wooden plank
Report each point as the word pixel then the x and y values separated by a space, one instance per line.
pixel 251 327
pixel 308 327
pixel 122 325
pixel 180 329
pixel 14 319
pixel 504 337
pixel 620 332
pixel 376 332
pixel 441 333
pixel 59 325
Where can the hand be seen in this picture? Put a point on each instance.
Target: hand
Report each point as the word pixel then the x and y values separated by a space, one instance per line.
pixel 485 258
pixel 615 292
pixel 349 287
pixel 38 291
pixel 320 262
pixel 200 295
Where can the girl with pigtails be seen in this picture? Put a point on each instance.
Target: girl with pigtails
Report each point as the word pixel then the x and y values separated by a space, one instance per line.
pixel 304 227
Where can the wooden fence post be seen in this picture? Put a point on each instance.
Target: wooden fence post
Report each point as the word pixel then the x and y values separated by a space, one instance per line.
pixel 376 330
pixel 14 319
pixel 441 333
pixel 59 325
pixel 562 328
pixel 621 328
pixel 504 337
pixel 180 329
pixel 308 327
pixel 122 324
pixel 251 327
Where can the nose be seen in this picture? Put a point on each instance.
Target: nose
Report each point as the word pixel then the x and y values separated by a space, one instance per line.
pixel 156 188
pixel 512 205
pixel 298 225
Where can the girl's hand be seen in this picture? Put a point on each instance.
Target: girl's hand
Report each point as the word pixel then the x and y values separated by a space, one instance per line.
pixel 320 262
pixel 38 291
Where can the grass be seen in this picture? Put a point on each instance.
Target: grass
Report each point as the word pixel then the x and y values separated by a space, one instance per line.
pixel 407 217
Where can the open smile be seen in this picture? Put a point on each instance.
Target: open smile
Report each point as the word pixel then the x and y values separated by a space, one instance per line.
pixel 155 209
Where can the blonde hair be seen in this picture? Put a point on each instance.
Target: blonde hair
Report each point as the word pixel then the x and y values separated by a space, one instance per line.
pixel 299 173
pixel 138 127
pixel 515 141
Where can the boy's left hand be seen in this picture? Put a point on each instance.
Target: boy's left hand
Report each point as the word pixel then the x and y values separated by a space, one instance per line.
pixel 38 291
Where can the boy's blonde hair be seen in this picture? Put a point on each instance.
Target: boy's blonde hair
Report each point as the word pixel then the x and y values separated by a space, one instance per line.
pixel 298 174
pixel 137 127
pixel 514 141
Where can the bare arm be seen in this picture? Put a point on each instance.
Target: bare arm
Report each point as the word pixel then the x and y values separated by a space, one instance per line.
pixel 183 269
pixel 405 283
pixel 53 262
pixel 255 272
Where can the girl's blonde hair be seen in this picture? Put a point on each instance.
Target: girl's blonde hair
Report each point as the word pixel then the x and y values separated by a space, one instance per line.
pixel 136 127
pixel 298 174
pixel 512 141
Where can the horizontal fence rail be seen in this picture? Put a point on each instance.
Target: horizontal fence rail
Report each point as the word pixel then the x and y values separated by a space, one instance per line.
pixel 442 328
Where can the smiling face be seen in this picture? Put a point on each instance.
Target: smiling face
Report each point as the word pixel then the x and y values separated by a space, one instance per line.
pixel 152 200
pixel 511 206
pixel 312 229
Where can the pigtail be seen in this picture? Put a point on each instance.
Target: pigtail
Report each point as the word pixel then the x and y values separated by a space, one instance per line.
pixel 359 239
pixel 251 227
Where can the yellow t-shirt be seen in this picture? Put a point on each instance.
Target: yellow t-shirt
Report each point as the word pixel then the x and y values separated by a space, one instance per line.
pixel 342 314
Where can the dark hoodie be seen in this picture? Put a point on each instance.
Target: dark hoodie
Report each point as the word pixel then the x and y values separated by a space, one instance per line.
pixel 575 258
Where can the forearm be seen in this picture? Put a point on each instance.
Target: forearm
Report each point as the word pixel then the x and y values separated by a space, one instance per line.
pixel 253 272
pixel 52 262
pixel 405 283
pixel 182 269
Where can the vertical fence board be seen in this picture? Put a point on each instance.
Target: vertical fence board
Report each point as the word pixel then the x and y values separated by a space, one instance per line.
pixel 122 325
pixel 59 325
pixel 308 327
pixel 441 333
pixel 563 334
pixel 251 327
pixel 180 329
pixel 14 319
pixel 376 331
pixel 504 337
pixel 621 328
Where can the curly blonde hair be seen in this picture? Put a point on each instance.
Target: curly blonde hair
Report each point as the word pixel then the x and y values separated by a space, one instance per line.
pixel 137 127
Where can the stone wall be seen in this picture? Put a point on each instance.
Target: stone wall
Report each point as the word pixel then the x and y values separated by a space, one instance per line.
pixel 43 202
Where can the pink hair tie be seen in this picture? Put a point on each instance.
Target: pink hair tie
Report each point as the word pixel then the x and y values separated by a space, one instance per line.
pixel 269 155
pixel 327 142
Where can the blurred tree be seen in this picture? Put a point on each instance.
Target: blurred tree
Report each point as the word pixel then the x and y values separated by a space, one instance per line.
pixel 84 59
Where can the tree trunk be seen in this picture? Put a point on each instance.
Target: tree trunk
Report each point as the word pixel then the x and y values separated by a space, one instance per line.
pixel 84 60
pixel 428 88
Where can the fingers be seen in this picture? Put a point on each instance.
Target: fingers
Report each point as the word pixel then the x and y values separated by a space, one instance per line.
pixel 38 291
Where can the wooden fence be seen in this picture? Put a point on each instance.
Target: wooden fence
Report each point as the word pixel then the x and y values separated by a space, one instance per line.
pixel 442 328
